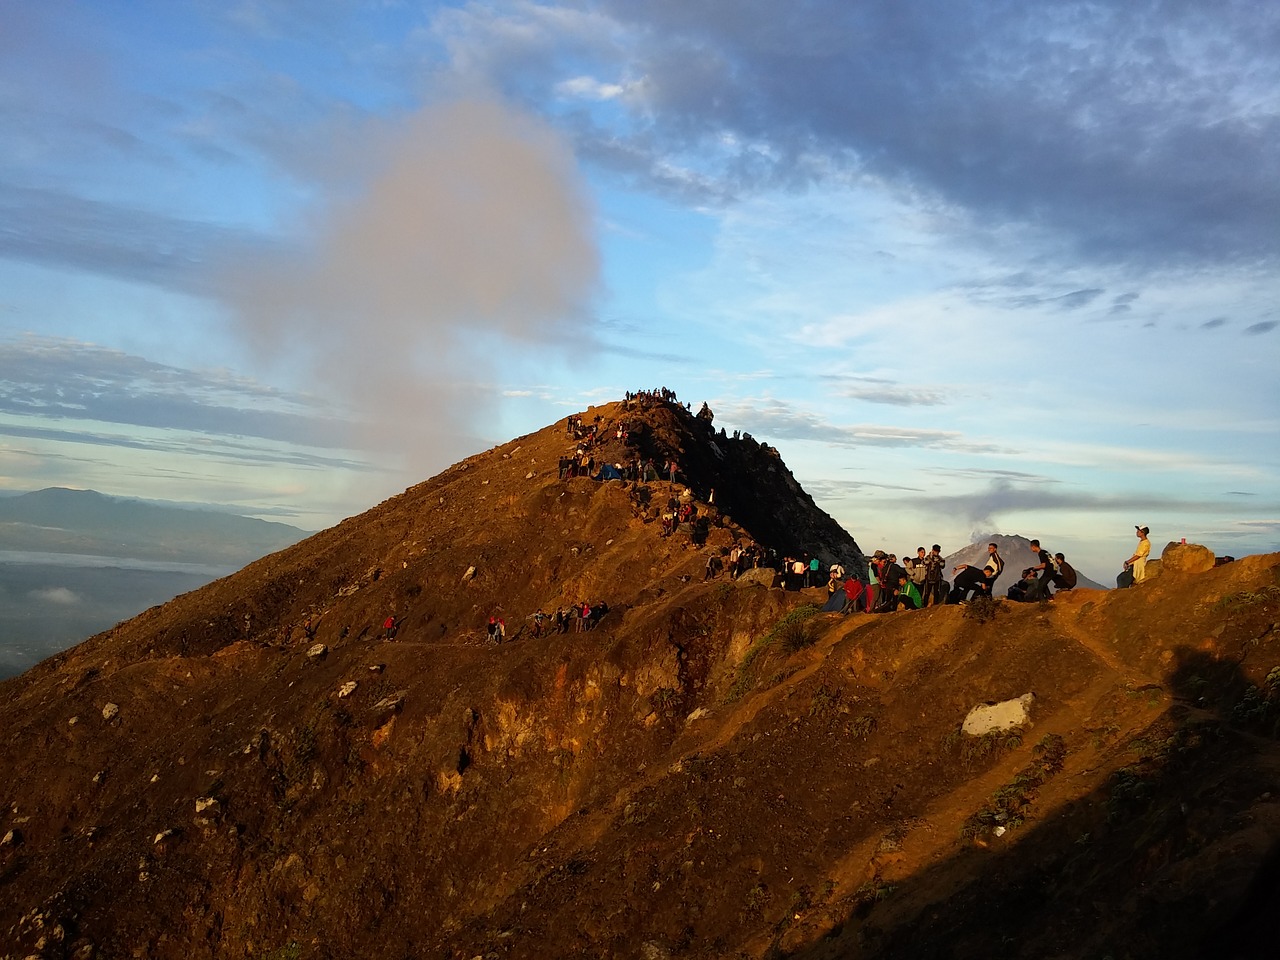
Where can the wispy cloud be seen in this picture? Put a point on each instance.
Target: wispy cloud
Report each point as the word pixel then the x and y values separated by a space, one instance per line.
pixel 61 229
pixel 769 418
pixel 874 390
pixel 59 379
pixel 57 596
pixel 984 507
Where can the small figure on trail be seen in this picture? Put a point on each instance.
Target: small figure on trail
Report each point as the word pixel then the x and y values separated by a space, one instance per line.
pixel 596 614
pixel 798 570
pixel 714 566
pixel 1136 566
pixel 389 628
pixel 539 622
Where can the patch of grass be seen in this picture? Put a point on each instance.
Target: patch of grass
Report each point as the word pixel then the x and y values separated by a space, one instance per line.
pixel 1245 599
pixel 863 726
pixel 755 900
pixel 290 951
pixel 1009 805
pixel 982 609
pixel 790 633
pixel 1132 788
pixel 873 891
pixel 795 631
pixel 824 701
pixel 1104 734
pixel 665 698
pixel 1259 708
pixel 979 750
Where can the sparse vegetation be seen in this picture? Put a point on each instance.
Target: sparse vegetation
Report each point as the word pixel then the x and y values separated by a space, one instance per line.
pixel 873 891
pixel 863 726
pixel 1133 786
pixel 792 632
pixel 795 631
pixel 756 899
pixel 1259 708
pixel 824 701
pixel 549 794
pixel 665 699
pixel 979 750
pixel 1246 599
pixel 982 609
pixel 1009 805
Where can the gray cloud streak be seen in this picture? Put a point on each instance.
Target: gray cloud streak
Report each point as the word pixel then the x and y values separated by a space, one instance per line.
pixel 64 379
pixel 1119 127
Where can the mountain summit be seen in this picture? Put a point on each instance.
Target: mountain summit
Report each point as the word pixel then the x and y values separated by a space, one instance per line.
pixel 264 768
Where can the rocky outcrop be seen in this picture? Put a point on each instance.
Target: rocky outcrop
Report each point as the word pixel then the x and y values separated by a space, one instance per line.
pixel 1185 559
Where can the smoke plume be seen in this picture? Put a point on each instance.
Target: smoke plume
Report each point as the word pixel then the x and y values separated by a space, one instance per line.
pixel 465 253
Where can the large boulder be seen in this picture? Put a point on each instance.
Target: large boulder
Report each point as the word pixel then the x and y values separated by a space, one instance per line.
pixel 1184 559
pixel 996 717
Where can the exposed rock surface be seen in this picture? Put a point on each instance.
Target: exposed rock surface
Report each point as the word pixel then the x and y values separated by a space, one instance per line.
pixel 1179 559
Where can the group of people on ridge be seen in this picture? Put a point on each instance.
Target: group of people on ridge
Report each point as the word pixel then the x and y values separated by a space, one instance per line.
pixel 918 582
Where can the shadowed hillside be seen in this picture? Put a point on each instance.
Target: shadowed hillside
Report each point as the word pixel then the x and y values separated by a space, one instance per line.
pixel 714 770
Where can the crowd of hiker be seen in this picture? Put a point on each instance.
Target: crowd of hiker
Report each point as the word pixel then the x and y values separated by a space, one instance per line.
pixel 915 582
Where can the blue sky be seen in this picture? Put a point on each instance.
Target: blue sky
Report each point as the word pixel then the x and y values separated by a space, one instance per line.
pixel 972 266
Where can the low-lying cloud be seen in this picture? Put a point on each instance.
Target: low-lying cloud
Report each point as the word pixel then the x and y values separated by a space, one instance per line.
pixel 57 596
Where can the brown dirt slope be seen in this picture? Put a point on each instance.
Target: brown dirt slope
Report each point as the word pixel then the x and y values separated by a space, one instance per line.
pixel 714 771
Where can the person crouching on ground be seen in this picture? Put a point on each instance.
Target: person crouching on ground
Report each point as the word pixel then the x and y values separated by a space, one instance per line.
pixel 908 596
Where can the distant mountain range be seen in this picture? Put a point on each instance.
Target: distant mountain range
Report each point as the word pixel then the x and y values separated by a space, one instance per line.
pixel 1017 556
pixel 57 520
pixel 74 562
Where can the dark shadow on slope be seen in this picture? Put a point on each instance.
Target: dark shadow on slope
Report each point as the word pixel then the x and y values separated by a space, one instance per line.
pixel 1155 863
